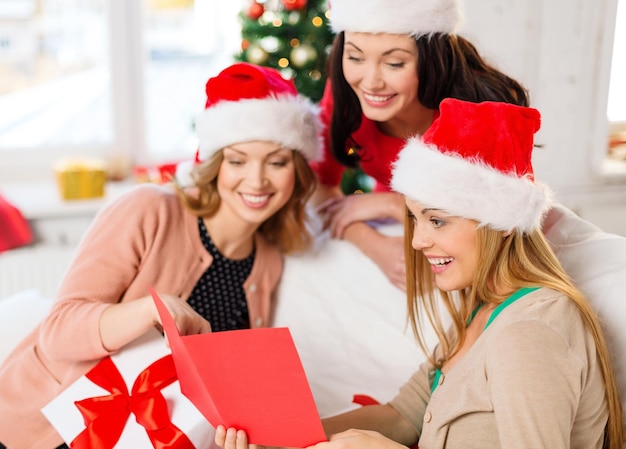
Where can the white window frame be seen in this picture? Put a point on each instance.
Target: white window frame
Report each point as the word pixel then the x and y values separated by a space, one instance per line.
pixel 601 126
pixel 126 68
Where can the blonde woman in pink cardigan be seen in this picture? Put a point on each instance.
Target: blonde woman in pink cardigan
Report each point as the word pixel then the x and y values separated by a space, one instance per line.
pixel 212 251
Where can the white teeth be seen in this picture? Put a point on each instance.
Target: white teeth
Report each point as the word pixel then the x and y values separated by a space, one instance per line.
pixel 377 98
pixel 255 199
pixel 440 260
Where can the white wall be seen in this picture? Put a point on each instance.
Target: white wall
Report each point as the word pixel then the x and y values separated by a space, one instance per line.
pixel 560 50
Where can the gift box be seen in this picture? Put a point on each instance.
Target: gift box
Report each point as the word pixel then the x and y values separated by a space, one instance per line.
pixel 80 179
pixel 130 400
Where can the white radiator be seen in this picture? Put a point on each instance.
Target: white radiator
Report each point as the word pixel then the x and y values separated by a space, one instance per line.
pixel 39 267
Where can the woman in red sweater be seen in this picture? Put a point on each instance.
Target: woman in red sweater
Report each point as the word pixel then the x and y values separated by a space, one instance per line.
pixel 390 67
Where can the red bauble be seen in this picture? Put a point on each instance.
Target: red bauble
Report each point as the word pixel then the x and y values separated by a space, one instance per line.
pixel 255 11
pixel 293 5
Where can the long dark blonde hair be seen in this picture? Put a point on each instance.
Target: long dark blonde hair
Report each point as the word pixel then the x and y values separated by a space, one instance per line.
pixel 287 228
pixel 516 261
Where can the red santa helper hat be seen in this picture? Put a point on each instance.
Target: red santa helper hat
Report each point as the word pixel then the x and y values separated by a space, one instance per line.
pixel 475 162
pixel 412 17
pixel 247 102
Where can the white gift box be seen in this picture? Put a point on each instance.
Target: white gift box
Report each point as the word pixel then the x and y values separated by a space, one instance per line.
pixel 130 362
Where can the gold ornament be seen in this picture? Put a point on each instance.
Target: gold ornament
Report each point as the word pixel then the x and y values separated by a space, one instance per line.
pixel 303 54
pixel 256 54
pixel 315 75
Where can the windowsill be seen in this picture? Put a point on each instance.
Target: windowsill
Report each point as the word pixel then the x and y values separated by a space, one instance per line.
pixel 37 200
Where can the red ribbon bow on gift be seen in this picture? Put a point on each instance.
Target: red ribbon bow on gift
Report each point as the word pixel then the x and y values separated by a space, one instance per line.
pixel 105 416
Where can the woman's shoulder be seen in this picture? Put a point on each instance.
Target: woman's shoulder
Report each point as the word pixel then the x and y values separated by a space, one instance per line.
pixel 148 191
pixel 543 312
pixel 144 203
pixel 543 304
pixel 146 196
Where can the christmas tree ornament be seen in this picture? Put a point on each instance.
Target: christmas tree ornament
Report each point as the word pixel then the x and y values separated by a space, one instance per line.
pixel 271 44
pixel 288 73
pixel 315 75
pixel 302 55
pixel 255 10
pixel 256 54
pixel 294 18
pixel 294 5
pixel 267 18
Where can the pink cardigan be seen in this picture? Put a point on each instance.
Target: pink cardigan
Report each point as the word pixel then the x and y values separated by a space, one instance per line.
pixel 144 238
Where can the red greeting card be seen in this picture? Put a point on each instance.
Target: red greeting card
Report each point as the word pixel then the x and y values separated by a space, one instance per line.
pixel 249 379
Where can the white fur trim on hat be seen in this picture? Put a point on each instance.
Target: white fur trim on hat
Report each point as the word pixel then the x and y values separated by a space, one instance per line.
pixel 412 17
pixel 288 120
pixel 183 173
pixel 469 189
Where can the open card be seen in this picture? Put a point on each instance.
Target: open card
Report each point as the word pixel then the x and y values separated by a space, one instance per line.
pixel 250 379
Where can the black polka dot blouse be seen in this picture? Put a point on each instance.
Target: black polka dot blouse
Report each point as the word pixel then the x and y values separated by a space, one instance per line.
pixel 219 295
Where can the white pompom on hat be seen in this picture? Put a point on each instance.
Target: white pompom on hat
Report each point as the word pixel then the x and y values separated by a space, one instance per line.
pixel 413 17
pixel 247 102
pixel 475 162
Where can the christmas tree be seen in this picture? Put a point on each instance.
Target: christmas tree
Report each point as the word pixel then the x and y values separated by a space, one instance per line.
pixel 291 35
pixel 294 36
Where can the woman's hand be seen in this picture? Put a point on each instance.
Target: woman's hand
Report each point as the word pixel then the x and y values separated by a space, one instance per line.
pixel 234 439
pixel 123 322
pixel 357 439
pixel 340 212
pixel 188 321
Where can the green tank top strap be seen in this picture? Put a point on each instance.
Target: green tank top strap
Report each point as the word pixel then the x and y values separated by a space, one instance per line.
pixel 507 302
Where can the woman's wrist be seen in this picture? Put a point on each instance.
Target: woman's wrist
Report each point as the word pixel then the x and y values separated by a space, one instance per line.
pixel 395 206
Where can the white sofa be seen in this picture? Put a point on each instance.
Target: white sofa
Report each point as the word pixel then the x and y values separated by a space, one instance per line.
pixel 349 322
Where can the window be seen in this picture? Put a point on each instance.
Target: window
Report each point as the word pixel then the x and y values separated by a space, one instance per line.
pixel 616 110
pixel 106 78
pixel 617 86
pixel 53 63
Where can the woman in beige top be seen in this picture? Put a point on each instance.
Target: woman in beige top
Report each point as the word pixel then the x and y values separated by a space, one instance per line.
pixel 525 364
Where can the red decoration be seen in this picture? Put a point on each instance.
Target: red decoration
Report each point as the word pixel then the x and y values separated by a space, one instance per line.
pixel 294 5
pixel 255 11
pixel 245 43
pixel 15 228
pixel 106 416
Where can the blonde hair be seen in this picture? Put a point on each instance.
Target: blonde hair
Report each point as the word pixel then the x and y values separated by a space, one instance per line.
pixel 287 228
pixel 516 261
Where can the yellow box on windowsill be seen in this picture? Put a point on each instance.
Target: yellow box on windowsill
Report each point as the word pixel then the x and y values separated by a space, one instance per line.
pixel 80 179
